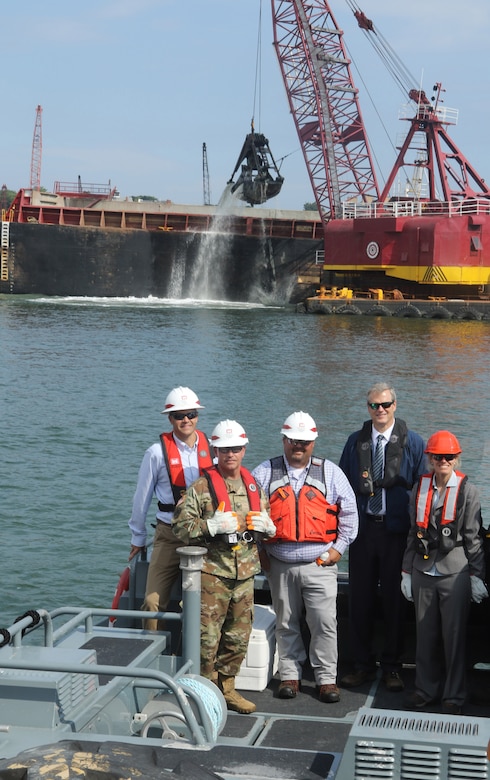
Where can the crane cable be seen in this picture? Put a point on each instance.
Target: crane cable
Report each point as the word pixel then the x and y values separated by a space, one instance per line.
pixel 258 87
pixel 369 25
pixel 258 72
pixel 400 73
pixel 395 66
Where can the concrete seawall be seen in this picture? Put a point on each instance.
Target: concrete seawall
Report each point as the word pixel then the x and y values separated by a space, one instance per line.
pixel 446 309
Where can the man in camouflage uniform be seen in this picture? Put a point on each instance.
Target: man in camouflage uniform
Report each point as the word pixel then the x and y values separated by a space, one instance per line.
pixel 225 510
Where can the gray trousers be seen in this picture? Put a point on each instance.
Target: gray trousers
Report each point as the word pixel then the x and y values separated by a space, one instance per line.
pixel 442 606
pixel 305 589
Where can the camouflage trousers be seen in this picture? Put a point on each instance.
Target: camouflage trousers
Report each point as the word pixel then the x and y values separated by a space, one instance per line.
pixel 226 623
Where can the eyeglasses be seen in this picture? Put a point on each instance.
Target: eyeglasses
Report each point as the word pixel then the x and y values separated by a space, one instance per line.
pixel 449 458
pixel 183 415
pixel 384 404
pixel 298 442
pixel 235 450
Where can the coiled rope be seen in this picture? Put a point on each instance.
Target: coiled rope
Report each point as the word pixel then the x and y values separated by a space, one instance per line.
pixel 33 614
pixel 211 700
pixel 7 636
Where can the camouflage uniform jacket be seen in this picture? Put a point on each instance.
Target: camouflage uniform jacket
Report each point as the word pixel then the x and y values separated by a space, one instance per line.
pixel 237 562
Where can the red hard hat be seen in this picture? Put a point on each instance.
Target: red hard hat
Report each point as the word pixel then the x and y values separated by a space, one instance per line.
pixel 443 443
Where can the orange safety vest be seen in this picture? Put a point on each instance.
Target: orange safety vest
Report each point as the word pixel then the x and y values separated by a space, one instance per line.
pixel 174 464
pixel 447 528
pixel 219 493
pixel 307 517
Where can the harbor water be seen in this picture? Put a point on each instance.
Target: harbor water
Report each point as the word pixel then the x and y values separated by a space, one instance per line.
pixel 83 381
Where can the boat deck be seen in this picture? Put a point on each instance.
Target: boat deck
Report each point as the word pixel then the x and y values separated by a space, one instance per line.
pixel 80 699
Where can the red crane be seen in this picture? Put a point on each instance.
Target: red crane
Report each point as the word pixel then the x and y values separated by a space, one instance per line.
pixel 37 152
pixel 437 231
pixel 324 103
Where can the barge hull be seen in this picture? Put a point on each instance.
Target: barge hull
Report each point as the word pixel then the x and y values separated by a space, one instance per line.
pixel 60 260
pixel 435 309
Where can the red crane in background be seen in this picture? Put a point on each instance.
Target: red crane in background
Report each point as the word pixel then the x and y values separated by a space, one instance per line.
pixel 37 152
pixel 436 231
pixel 324 103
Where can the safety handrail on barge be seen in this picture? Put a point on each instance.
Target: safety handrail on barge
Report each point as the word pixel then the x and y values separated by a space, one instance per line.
pixel 407 207
pixel 163 217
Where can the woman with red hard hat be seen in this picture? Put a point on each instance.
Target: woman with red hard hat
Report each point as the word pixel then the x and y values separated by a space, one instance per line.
pixel 443 571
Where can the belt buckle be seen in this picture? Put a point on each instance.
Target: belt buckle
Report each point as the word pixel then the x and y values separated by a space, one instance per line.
pixel 244 538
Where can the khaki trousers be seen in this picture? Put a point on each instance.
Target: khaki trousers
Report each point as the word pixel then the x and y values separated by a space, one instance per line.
pixel 162 573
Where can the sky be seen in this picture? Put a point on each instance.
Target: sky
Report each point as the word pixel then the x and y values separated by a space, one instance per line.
pixel 131 89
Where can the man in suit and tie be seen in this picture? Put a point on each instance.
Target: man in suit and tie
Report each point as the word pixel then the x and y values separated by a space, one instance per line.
pixel 382 461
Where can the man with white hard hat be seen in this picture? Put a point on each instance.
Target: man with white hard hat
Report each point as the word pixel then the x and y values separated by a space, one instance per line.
pixel 167 468
pixel 314 510
pixel 225 510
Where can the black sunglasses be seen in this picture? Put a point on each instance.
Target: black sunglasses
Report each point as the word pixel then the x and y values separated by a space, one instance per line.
pixel 384 404
pixel 183 415
pixel 235 450
pixel 298 442
pixel 449 458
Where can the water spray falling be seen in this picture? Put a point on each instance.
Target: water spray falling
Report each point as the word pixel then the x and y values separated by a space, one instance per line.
pixel 215 247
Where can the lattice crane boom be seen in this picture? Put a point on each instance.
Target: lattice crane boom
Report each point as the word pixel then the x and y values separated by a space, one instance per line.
pixel 206 191
pixel 37 152
pixel 324 103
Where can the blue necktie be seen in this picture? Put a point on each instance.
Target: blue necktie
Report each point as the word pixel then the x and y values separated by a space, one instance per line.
pixel 376 501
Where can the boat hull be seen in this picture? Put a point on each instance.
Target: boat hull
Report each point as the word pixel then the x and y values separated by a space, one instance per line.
pixel 59 260
pixel 416 253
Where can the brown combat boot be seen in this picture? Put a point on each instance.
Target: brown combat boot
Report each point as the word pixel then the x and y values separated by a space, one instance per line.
pixel 234 700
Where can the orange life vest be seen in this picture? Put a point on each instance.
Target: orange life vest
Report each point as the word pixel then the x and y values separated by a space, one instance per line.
pixel 217 488
pixel 307 517
pixel 447 526
pixel 174 464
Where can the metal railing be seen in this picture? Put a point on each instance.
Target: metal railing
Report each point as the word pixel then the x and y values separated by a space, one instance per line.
pixel 4 250
pixel 82 188
pixel 415 208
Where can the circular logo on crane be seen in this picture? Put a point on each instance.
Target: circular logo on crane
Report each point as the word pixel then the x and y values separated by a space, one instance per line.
pixel 372 250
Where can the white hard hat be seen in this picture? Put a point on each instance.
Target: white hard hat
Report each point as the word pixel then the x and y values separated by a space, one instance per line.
pixel 299 425
pixel 181 398
pixel 228 433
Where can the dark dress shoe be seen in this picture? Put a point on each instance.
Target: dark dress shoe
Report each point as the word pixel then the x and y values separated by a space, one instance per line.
pixel 288 689
pixel 415 701
pixel 329 693
pixel 358 677
pixel 393 682
pixel 451 708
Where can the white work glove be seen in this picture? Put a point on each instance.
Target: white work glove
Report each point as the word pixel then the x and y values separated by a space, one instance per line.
pixel 478 589
pixel 261 522
pixel 406 585
pixel 222 523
